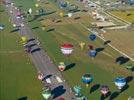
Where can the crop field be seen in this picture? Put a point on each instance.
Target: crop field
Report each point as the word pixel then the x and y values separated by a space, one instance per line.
pixel 122 39
pixel 125 15
pixel 18 77
pixel 52 34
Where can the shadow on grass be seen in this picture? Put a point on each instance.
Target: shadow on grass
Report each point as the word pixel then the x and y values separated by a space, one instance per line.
pixel 70 66
pixel 129 79
pixel 107 42
pixel 94 88
pixel 99 49
pixel 35 27
pixel 50 30
pixel 104 97
pixel 35 50
pixel 23 98
pixel 121 60
pixel 124 88
pixel 40 15
pixel 114 95
pixel 58 91
pixel 15 30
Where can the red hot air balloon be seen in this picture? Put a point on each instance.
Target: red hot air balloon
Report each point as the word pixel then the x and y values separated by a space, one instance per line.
pixel 67 48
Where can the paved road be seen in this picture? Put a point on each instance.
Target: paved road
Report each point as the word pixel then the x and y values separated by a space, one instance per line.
pixel 39 57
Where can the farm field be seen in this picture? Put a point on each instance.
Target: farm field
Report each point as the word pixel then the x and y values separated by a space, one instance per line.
pixel 125 15
pixel 122 40
pixel 18 77
pixel 102 67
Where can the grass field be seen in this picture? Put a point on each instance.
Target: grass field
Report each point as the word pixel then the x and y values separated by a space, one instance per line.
pixel 101 67
pixel 18 77
pixel 127 15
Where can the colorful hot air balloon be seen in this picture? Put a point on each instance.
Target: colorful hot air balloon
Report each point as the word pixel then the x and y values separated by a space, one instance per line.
pixel 77 90
pixel 92 53
pixel 61 66
pixel 87 79
pixel 60 98
pixel 67 48
pixel 46 93
pixel 104 89
pixel 92 37
pixel 120 82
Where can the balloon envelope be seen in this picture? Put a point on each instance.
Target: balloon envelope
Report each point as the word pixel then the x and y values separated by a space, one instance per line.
pixel 92 53
pixel 120 82
pixel 61 66
pixel 92 37
pixel 2 26
pixel 87 78
pixel 104 89
pixel 77 89
pixel 67 48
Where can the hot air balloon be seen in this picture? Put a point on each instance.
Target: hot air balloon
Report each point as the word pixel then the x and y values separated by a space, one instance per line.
pixel 46 93
pixel 2 26
pixel 92 37
pixel 67 48
pixel 61 66
pixel 40 76
pixel 120 82
pixel 36 5
pixel 90 47
pixel 63 5
pixel 24 39
pixel 104 89
pixel 92 53
pixel 87 79
pixel 69 14
pixel 61 14
pixel 77 90
pixel 60 98
pixel 82 44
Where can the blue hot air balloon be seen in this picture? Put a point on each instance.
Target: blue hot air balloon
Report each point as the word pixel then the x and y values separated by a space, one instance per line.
pixel 63 4
pixel 2 26
pixel 120 82
pixel 92 53
pixel 87 79
pixel 92 37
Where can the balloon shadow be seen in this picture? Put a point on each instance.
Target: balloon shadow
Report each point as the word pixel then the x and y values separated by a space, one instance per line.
pixel 99 49
pixel 52 29
pixel 70 66
pixel 40 15
pixel 114 95
pixel 122 60
pixel 107 42
pixel 35 50
pixel 23 98
pixel 35 27
pixel 15 30
pixel 129 79
pixel 58 91
pixel 94 88
pixel 124 88
pixel 104 97
pixel 32 39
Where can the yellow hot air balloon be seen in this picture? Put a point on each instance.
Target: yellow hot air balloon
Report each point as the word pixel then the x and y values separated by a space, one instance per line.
pixel 82 44
pixel 36 5
pixel 61 14
pixel 24 39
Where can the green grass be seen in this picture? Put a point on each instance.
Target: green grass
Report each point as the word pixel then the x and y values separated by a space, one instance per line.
pixel 100 67
pixel 18 77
